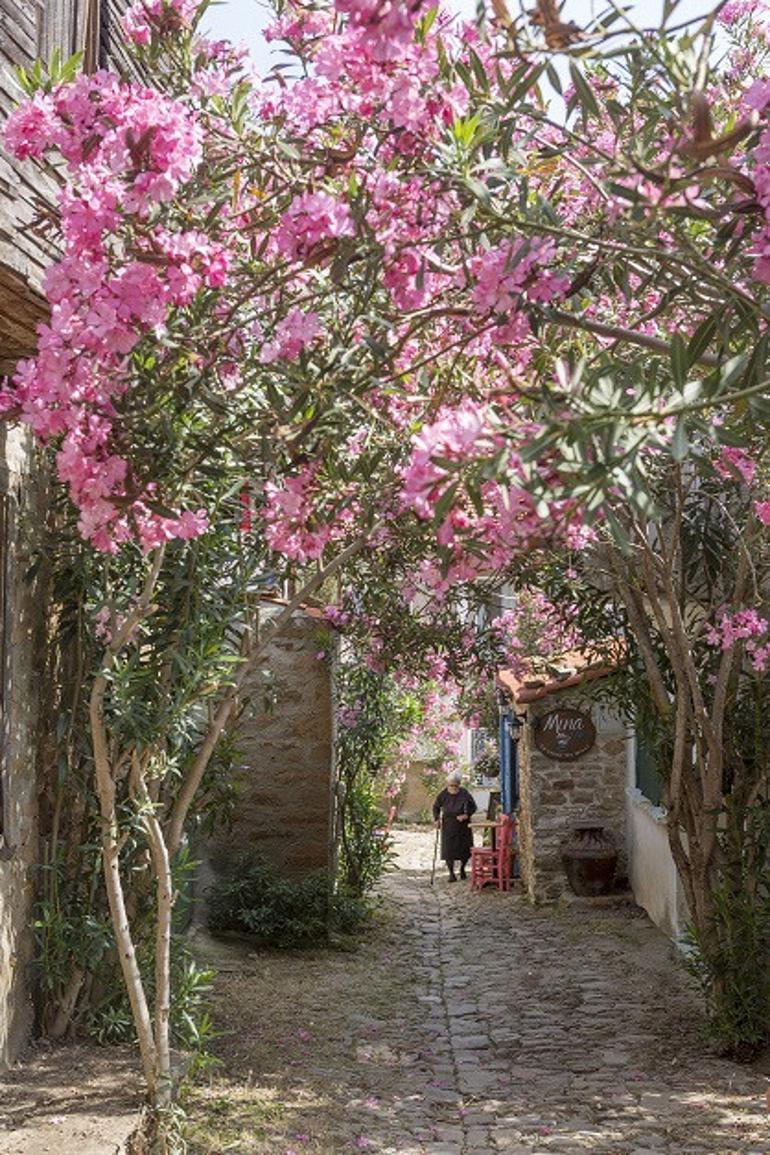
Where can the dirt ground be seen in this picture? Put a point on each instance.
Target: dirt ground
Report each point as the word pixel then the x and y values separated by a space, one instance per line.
pixel 464 1024
pixel 73 1100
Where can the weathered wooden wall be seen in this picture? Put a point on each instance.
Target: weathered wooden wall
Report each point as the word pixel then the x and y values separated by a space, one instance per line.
pixel 30 29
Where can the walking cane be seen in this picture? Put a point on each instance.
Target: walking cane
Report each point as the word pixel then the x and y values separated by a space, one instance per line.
pixel 435 852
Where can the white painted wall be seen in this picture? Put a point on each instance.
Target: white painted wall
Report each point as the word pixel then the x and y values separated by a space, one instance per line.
pixel 651 870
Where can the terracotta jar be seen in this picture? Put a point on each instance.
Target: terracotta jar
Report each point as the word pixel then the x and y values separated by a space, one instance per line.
pixel 589 859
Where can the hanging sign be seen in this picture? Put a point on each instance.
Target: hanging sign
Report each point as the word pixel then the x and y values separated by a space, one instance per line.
pixel 564 734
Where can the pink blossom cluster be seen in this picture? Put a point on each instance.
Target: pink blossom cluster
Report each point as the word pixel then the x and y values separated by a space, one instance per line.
pixel 757 99
pixel 292 527
pixel 503 275
pixel 299 26
pixel 311 225
pixel 747 626
pixel 371 65
pixel 144 17
pixel 480 535
pixel 295 525
pixel 734 463
pixel 536 628
pixel 387 26
pixel 439 733
pixel 349 716
pixel 293 333
pixel 129 149
pixel 736 10
pixel 459 434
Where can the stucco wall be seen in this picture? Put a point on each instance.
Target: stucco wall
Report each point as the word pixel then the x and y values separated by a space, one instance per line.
pixel 651 868
pixel 556 794
pixel 18 846
pixel 284 781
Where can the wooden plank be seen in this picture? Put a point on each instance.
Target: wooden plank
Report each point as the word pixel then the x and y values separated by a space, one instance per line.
pixel 28 244
pixel 21 26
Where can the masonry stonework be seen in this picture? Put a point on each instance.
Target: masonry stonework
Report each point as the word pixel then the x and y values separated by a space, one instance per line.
pixel 284 781
pixel 557 794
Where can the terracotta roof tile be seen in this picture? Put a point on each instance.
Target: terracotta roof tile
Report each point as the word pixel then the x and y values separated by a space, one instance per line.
pixel 579 667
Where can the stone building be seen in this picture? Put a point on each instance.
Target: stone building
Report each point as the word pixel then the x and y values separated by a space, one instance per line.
pixel 284 782
pixel 29 29
pixel 607 782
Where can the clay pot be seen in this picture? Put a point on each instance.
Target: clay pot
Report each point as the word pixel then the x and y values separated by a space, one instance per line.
pixel 589 859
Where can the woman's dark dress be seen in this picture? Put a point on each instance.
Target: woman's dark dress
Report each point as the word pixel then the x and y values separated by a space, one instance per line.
pixel 456 837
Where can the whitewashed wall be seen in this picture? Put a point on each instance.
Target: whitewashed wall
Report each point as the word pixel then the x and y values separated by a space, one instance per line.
pixel 651 868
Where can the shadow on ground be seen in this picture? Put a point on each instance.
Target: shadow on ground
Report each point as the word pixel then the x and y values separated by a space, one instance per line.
pixel 73 1100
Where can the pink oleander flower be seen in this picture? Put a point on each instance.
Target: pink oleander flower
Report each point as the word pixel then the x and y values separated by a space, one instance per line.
pixel 348 716
pixel 102 620
pixel 310 220
pixel 292 527
pixel 31 128
pixel 515 270
pixel 762 510
pixel 294 333
pixel 747 627
pixel 737 10
pixel 458 434
pixel 735 463
pixel 387 26
pixel 144 17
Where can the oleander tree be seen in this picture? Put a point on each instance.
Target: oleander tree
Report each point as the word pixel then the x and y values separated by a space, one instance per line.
pixel 684 583
pixel 428 290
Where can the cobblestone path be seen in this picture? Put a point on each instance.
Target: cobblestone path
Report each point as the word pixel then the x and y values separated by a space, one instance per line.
pixel 481 1025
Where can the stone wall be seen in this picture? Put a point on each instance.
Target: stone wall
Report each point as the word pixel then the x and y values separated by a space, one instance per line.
pixel 284 781
pixel 416 799
pixel 19 645
pixel 556 794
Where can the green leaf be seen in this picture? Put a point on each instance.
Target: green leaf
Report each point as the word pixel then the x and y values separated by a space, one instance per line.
pixel 584 91
pixel 679 359
pixel 553 77
pixel 479 71
pixel 446 501
pixel 680 442
pixel 700 340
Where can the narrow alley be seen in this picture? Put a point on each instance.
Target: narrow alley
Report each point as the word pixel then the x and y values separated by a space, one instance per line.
pixel 472 1023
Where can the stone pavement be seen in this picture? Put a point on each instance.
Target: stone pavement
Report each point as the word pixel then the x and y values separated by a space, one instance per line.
pixel 470 1024
pixel 550 1031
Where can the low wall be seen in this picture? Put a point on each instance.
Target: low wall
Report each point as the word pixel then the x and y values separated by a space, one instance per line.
pixel 652 872
pixel 556 794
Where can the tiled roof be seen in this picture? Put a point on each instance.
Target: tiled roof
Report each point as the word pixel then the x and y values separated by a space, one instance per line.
pixel 309 611
pixel 564 673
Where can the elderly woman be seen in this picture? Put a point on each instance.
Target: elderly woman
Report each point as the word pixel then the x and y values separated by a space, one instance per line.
pixel 452 811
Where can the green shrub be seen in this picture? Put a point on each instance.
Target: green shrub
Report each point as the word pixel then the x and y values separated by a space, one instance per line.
pixel 253 899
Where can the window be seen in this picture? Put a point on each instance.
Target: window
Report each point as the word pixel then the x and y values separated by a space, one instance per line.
pixel 648 780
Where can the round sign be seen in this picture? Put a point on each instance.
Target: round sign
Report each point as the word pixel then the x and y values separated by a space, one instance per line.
pixel 564 733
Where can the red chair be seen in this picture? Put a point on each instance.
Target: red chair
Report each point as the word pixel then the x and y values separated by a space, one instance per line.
pixel 492 864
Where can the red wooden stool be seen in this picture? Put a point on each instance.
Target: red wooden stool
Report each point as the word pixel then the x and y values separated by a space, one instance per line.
pixel 492 865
